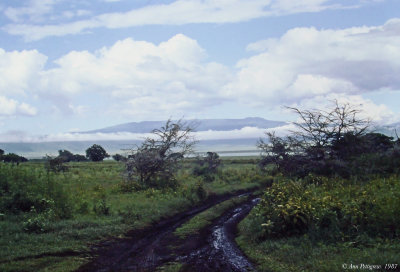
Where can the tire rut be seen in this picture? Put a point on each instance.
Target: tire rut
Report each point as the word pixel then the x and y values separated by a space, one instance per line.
pixel 148 249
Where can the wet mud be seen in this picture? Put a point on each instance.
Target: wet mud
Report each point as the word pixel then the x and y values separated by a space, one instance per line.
pixel 213 249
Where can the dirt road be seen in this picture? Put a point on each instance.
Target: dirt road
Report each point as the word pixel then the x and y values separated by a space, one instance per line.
pixel 212 249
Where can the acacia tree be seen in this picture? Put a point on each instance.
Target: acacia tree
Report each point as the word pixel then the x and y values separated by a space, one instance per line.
pixel 319 130
pixel 155 162
pixel 313 145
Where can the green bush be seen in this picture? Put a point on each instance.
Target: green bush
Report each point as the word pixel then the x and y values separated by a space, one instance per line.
pixel 329 209
pixel 38 221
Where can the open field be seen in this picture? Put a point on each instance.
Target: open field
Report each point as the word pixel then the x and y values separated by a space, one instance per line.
pixel 92 202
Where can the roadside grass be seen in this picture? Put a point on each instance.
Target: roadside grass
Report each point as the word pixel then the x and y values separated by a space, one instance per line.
pixel 88 204
pixel 205 218
pixel 300 254
pixel 324 224
pixel 170 267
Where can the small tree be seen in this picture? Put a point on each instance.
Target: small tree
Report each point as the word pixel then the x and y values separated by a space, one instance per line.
pixel 318 130
pixel 320 142
pixel 96 153
pixel 155 162
pixel 119 157
pixel 55 164
pixel 285 153
pixel 207 166
pixel 65 155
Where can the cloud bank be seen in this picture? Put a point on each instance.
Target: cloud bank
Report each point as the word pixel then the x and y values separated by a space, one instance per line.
pixel 244 133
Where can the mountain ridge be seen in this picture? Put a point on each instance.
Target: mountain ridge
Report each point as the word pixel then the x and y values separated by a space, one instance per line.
pixel 200 125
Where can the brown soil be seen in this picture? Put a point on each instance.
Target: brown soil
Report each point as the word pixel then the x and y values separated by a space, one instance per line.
pixel 145 250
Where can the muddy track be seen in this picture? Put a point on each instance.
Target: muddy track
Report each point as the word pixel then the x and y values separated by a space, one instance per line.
pixel 213 249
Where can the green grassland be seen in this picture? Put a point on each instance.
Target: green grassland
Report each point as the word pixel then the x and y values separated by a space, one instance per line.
pixel 48 221
pixel 324 224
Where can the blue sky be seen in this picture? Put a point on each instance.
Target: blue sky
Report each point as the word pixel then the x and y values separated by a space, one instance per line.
pixel 80 65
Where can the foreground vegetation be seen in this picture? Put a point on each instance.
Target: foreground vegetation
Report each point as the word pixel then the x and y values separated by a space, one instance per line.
pixel 335 200
pixel 49 220
pixel 320 224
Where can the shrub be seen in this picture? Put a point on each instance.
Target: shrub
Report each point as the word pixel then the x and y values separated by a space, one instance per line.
pixel 38 221
pixel 55 164
pixel 330 209
pixel 24 188
pixel 13 158
pixel 154 164
pixel 119 157
pixel 207 166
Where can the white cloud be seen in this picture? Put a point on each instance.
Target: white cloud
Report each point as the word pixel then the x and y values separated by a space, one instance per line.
pixel 244 133
pixel 376 113
pixel 136 77
pixel 11 107
pixel 19 70
pixel 306 62
pixel 175 77
pixel 145 78
pixel 33 12
pixel 176 13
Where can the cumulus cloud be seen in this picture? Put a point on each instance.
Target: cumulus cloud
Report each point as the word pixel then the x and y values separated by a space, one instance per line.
pixel 137 78
pixel 170 77
pixel 176 13
pixel 10 107
pixel 376 113
pixel 19 70
pixel 306 62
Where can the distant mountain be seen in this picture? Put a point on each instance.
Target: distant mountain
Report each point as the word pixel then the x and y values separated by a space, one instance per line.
pixel 200 125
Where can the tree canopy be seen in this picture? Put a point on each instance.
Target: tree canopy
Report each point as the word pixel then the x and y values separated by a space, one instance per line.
pixel 327 142
pixel 96 153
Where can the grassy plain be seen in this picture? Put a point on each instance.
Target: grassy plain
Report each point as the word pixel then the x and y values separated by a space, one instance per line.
pixel 89 203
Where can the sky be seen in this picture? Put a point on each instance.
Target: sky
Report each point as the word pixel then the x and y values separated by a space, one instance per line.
pixel 73 65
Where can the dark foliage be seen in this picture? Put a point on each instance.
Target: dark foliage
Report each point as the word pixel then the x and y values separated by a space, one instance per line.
pixel 119 157
pixel 13 158
pixel 65 155
pixel 330 143
pixel 78 158
pixel 55 164
pixel 96 153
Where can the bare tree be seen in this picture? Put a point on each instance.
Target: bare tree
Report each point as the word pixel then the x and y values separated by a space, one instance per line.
pixel 155 162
